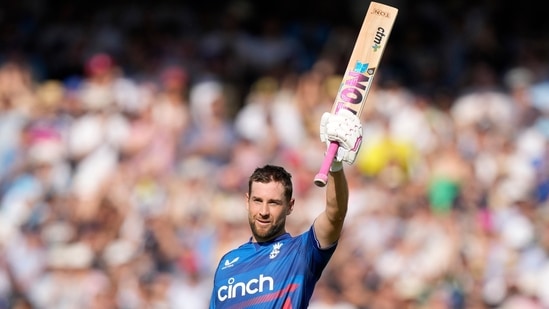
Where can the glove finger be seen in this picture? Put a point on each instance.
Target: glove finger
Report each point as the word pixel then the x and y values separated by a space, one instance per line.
pixel 345 155
pixel 340 155
pixel 324 120
pixel 336 133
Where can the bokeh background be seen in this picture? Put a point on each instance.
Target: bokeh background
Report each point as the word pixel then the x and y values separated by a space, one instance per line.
pixel 128 130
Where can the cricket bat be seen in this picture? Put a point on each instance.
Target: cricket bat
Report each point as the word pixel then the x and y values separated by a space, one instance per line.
pixel 360 72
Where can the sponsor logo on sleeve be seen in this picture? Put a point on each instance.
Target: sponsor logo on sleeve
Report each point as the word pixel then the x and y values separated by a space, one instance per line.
pixel 229 264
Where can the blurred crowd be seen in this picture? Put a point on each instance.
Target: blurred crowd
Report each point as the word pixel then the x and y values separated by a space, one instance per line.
pixel 126 144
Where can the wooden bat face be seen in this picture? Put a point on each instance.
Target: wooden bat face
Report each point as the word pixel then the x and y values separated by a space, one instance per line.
pixel 367 53
pixel 360 71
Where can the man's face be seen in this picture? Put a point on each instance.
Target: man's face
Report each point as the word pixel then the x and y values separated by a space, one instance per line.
pixel 267 210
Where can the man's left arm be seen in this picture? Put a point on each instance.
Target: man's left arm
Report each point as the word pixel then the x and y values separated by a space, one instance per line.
pixel 346 129
pixel 329 223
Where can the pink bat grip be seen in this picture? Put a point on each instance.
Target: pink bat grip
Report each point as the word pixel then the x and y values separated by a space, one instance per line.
pixel 322 177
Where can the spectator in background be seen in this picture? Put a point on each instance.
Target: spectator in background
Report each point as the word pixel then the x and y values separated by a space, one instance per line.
pixel 95 136
pixel 16 90
pixel 210 134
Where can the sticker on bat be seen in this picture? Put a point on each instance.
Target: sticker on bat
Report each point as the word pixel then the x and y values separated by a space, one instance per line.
pixel 355 87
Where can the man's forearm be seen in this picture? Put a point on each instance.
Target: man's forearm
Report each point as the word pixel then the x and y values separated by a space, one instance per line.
pixel 337 196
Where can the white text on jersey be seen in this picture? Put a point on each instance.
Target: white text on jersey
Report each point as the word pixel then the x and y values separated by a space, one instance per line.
pixel 235 289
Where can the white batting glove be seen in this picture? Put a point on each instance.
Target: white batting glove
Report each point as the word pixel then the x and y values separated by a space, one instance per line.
pixel 344 128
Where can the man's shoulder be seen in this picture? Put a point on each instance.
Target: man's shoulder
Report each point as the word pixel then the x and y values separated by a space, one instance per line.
pixel 239 250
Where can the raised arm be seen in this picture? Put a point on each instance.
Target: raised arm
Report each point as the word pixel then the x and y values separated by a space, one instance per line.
pixel 346 130
pixel 329 223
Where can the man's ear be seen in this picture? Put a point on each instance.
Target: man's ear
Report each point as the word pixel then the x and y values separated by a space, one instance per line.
pixel 290 207
pixel 246 200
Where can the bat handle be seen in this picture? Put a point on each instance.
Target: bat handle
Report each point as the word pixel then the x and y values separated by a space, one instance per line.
pixel 322 177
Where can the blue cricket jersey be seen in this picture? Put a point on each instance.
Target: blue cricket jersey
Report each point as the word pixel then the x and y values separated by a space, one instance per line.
pixel 279 274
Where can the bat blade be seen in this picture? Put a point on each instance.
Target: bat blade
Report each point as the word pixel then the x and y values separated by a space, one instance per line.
pixel 361 69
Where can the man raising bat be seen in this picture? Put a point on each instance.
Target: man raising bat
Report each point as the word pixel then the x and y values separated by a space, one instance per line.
pixel 275 269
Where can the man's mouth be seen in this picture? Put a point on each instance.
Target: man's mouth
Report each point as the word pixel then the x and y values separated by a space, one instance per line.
pixel 263 222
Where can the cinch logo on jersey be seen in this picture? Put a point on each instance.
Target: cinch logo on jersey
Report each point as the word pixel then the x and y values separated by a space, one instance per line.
pixel 378 38
pixel 354 88
pixel 253 286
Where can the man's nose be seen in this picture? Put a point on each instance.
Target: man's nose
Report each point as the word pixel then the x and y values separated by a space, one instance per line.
pixel 264 210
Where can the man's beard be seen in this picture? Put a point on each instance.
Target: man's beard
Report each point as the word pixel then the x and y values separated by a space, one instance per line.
pixel 272 232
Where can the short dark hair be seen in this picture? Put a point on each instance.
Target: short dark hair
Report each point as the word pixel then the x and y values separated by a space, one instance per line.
pixel 270 173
